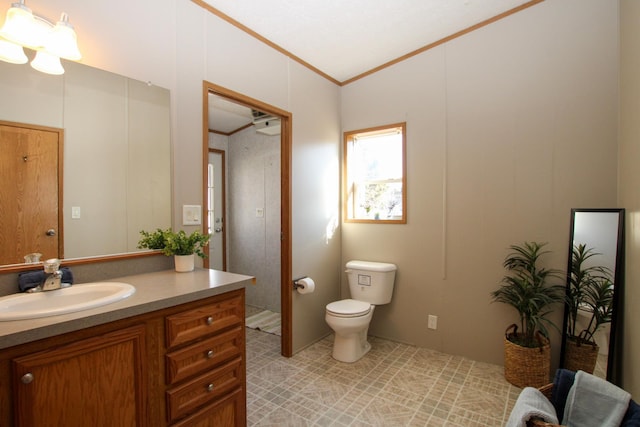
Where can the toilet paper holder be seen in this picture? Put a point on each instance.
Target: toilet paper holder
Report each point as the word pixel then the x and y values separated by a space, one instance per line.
pixel 297 285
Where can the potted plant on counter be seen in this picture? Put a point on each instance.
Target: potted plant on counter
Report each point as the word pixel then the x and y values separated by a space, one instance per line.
pixel 181 245
pixel 589 292
pixel 527 288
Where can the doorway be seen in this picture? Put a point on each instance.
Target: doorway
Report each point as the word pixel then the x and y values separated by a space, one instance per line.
pixel 284 117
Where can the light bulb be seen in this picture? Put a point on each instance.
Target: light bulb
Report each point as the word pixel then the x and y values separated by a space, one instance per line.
pixel 47 63
pixel 12 53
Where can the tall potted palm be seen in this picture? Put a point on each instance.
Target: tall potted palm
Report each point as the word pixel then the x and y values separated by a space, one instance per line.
pixel 528 289
pixel 589 290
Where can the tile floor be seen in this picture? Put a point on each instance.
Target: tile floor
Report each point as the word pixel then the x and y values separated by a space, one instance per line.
pixel 393 385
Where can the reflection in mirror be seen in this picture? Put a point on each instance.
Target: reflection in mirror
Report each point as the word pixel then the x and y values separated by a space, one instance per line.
pixel 116 160
pixel 31 194
pixel 594 292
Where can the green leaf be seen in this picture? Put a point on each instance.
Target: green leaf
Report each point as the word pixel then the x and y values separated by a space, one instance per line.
pixel 174 243
pixel 528 290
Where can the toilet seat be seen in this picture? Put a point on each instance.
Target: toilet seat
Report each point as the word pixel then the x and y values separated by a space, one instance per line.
pixel 348 308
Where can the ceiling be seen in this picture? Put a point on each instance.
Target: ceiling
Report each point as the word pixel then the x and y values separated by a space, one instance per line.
pixel 227 117
pixel 344 40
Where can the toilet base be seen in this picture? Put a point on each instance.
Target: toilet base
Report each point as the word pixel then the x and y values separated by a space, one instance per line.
pixel 350 348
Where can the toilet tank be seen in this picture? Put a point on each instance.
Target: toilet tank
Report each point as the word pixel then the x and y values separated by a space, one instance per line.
pixel 371 282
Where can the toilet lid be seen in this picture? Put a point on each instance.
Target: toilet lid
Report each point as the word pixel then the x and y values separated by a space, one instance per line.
pixel 349 308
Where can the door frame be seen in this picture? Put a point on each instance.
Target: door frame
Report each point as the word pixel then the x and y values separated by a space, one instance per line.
pixel 286 278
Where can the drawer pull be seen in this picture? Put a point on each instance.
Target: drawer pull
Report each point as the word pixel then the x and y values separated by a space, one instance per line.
pixel 209 320
pixel 210 354
pixel 27 378
pixel 210 387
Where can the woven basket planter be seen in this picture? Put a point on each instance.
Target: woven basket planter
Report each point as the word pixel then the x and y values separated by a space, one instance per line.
pixel 526 366
pixel 580 356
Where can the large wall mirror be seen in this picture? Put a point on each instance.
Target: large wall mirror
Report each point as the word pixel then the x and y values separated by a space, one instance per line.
pixel 115 158
pixel 594 293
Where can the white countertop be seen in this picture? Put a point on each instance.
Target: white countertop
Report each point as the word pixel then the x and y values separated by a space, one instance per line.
pixel 154 291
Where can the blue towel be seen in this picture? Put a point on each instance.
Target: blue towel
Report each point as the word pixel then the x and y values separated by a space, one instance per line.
pixel 31 279
pixel 594 402
pixel 632 417
pixel 561 385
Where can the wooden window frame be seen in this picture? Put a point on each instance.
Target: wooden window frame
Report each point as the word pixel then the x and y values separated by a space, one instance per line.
pixel 348 187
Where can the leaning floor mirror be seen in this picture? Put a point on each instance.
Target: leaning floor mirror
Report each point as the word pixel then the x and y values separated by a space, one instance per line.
pixel 593 308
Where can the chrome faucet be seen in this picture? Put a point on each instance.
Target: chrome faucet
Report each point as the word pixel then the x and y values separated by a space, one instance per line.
pixel 53 279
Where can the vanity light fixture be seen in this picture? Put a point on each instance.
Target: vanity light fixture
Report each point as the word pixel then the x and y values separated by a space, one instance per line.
pixel 50 41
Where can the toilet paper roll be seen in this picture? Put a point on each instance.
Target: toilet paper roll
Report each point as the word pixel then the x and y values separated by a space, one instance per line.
pixel 306 285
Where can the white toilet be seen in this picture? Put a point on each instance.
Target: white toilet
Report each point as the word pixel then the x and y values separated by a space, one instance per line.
pixel 370 284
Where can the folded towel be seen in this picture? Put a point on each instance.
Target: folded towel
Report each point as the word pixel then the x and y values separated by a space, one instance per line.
pixel 31 279
pixel 531 403
pixel 562 383
pixel 594 402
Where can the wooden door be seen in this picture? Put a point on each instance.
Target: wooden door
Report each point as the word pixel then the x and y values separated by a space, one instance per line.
pixel 99 381
pixel 30 192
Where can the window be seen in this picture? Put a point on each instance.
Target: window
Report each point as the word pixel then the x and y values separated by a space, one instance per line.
pixel 375 185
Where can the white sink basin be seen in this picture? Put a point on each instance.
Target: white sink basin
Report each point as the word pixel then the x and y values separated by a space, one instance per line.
pixel 62 301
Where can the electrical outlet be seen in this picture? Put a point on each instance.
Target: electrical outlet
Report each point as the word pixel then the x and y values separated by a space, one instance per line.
pixel 433 322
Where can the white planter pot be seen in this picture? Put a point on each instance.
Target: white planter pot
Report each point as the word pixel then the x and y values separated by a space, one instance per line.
pixel 184 263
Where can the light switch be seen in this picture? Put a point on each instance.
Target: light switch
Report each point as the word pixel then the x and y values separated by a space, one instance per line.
pixel 75 212
pixel 259 212
pixel 191 215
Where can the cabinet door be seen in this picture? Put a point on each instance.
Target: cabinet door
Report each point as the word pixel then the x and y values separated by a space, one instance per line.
pixel 227 412
pixel 99 381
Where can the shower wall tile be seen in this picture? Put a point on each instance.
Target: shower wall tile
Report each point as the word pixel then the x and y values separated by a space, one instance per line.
pixel 254 241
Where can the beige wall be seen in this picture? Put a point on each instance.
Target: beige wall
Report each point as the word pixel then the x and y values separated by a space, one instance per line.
pixel 508 128
pixel 177 44
pixel 629 177
pixel 316 199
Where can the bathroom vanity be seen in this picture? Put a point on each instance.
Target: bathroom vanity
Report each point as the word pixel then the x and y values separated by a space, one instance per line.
pixel 172 354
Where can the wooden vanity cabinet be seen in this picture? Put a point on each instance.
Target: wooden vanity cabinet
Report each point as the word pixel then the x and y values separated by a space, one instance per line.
pixel 182 366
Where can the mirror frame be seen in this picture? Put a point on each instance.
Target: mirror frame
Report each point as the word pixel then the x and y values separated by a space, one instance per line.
pixel 17 268
pixel 614 364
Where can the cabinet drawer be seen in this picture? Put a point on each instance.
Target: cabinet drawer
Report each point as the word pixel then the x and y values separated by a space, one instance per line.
pixel 193 324
pixel 204 355
pixel 182 400
pixel 228 411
